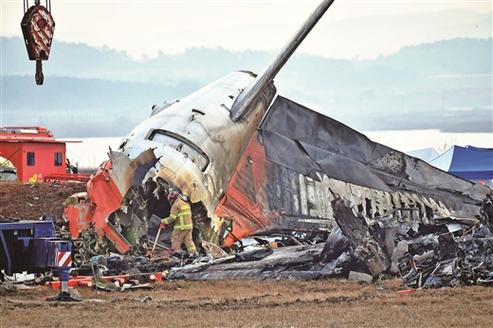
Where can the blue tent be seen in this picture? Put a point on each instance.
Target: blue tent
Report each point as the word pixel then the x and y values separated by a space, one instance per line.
pixel 468 162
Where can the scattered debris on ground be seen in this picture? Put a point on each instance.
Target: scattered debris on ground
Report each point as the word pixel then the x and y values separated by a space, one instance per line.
pixel 445 252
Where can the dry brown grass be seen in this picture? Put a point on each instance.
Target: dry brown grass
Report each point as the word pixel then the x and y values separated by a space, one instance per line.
pixel 331 303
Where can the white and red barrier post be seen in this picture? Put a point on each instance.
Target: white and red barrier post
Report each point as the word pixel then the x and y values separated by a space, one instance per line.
pixel 63 263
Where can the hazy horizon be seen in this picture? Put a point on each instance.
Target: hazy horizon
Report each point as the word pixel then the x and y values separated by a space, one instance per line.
pixel 350 29
pixel 388 65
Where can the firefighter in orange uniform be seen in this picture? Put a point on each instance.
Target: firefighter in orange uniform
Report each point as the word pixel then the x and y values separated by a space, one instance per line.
pixel 181 216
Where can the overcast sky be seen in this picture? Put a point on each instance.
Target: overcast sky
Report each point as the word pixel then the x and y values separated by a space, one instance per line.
pixel 350 28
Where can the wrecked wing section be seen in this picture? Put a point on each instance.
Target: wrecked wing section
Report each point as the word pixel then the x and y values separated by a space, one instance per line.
pixel 312 144
pixel 301 161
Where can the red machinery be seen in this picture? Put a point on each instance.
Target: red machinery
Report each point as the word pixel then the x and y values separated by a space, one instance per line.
pixel 36 154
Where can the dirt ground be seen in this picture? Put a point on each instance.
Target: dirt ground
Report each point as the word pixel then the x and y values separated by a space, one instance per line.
pixel 330 303
pixel 27 201
pixel 333 303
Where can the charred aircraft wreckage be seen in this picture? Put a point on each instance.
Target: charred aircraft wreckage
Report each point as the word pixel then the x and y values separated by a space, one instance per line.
pixel 254 163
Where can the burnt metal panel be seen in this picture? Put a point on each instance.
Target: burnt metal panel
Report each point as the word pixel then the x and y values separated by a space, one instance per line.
pixel 314 145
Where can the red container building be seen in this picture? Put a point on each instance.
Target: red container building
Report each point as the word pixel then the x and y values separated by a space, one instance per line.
pixel 34 151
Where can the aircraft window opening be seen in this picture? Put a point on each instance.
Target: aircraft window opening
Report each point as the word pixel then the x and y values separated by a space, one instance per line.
pixel 189 150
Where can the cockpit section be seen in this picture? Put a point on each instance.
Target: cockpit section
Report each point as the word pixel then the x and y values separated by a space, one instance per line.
pixel 189 150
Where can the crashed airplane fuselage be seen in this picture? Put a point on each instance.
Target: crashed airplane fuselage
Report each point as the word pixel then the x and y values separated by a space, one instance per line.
pixel 196 144
pixel 253 162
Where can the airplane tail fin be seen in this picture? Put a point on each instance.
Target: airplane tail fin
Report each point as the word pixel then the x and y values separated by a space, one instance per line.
pixel 245 100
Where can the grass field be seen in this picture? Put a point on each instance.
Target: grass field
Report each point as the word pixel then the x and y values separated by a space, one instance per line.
pixel 332 303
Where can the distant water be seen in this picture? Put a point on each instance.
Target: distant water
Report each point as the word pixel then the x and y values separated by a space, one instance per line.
pixel 93 151
pixel 90 152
